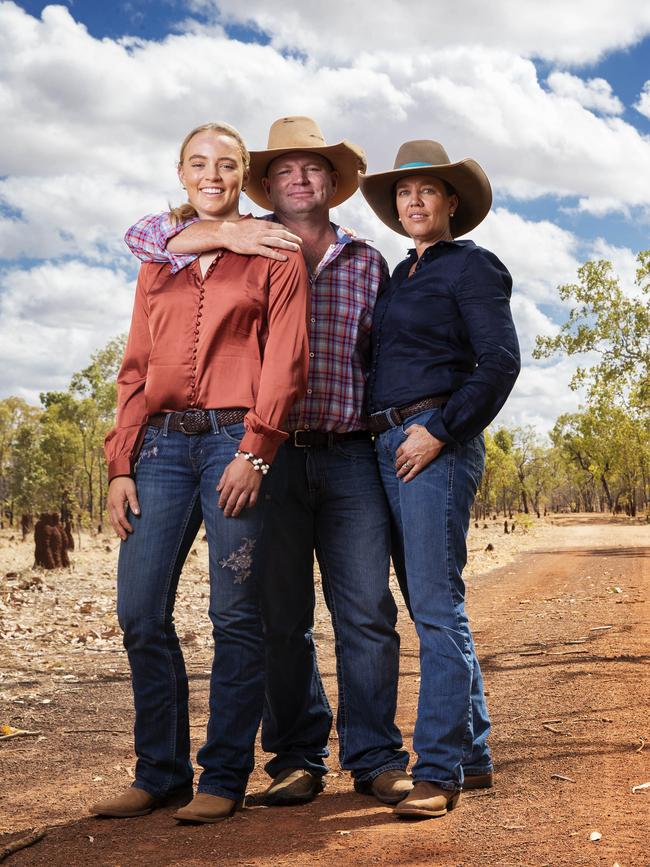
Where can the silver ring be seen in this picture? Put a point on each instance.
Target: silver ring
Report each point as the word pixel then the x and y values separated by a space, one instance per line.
pixel 407 464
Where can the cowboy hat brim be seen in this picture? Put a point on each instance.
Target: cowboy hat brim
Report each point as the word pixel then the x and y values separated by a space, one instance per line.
pixel 346 159
pixel 466 177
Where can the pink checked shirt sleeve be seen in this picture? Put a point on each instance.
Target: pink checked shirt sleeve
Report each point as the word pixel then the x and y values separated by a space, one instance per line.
pixel 148 238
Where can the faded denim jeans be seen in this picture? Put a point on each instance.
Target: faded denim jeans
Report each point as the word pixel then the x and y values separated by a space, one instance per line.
pixel 330 501
pixel 431 515
pixel 176 477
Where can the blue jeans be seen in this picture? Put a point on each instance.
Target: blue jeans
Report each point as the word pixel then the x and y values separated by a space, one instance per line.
pixel 431 517
pixel 176 477
pixel 330 500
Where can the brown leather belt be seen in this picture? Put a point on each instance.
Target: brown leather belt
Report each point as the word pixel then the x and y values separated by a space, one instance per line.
pixel 397 415
pixel 303 439
pixel 197 421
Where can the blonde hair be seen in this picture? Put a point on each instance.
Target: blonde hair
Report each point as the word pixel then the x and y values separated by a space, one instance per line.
pixel 186 211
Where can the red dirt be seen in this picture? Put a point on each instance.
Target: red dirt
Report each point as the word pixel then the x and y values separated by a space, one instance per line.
pixel 566 699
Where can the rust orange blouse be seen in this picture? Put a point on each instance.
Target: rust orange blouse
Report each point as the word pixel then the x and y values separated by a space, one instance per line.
pixel 236 338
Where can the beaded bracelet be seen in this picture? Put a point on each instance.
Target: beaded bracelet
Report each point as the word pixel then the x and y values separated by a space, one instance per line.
pixel 257 463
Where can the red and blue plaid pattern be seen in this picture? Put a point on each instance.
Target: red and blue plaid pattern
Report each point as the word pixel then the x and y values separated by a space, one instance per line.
pixel 344 289
pixel 147 240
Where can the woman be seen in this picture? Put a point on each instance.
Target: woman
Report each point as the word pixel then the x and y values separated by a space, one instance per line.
pixel 445 357
pixel 216 356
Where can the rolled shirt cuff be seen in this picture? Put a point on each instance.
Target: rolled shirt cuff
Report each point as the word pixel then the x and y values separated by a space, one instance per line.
pixel 436 428
pixel 119 467
pixel 261 439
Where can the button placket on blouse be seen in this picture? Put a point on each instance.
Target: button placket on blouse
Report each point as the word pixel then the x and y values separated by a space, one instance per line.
pixel 375 356
pixel 197 323
pixel 200 280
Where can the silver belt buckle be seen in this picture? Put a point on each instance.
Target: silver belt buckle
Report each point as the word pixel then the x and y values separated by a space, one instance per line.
pixel 388 415
pixel 296 444
pixel 196 423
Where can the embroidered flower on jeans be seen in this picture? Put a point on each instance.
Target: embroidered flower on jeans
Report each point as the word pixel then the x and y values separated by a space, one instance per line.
pixel 240 561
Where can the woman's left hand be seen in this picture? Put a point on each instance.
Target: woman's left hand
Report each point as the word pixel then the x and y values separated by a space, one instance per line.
pixel 238 487
pixel 416 452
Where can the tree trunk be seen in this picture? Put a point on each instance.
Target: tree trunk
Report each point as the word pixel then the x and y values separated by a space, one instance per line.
pixel 610 501
pixel 524 500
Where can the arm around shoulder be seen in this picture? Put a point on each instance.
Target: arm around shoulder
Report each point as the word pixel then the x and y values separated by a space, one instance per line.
pixel 148 239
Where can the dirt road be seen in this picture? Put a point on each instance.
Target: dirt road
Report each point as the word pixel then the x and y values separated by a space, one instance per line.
pixel 563 633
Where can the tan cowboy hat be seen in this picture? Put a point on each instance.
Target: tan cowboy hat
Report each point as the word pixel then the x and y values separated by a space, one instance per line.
pixel 290 134
pixel 424 157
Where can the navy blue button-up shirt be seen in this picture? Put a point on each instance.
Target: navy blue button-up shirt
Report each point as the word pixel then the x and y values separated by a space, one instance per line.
pixel 447 329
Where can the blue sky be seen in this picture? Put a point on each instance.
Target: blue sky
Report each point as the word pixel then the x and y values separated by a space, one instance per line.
pixel 145 19
pixel 553 100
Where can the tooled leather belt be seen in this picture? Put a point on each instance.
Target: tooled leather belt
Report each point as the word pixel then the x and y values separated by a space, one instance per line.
pixel 397 415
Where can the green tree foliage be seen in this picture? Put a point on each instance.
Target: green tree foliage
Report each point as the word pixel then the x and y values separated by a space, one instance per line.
pixel 610 454
pixel 599 458
pixel 498 490
pixel 612 325
pixel 605 448
pixel 16 420
pixel 97 381
pixel 51 458
pixel 26 474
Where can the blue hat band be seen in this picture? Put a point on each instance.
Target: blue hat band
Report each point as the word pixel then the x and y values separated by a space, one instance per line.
pixel 414 165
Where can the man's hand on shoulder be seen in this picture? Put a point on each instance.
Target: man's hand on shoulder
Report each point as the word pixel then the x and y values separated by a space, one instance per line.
pixel 257 238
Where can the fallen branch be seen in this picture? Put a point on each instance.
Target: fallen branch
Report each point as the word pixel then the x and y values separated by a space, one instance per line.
pixel 638 749
pixel 552 729
pixel 20 734
pixel 22 843
pixel 562 777
pixel 565 652
pixel 103 649
pixel 95 731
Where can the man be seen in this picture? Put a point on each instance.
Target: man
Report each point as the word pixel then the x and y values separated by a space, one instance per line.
pixel 325 484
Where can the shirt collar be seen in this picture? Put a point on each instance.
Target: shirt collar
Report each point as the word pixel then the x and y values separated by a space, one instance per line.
pixel 453 243
pixel 347 236
pixel 343 235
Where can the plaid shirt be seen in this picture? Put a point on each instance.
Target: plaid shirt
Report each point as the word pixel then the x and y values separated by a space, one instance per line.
pixel 344 289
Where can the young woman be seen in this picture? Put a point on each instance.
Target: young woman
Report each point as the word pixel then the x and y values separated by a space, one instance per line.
pixel 216 356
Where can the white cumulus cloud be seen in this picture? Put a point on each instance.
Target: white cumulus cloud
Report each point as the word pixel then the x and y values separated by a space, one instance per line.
pixel 576 32
pixel 540 395
pixel 95 126
pixel 643 103
pixel 593 93
pixel 52 317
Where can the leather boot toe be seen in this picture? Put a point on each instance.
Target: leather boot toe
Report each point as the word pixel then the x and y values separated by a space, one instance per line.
pixel 389 787
pixel 292 786
pixel 133 802
pixel 426 801
pixel 204 809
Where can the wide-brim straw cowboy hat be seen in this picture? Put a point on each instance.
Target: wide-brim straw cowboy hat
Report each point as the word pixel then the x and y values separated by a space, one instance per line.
pixel 290 134
pixel 425 157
